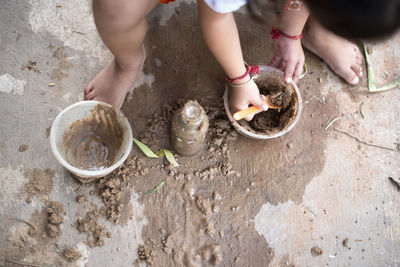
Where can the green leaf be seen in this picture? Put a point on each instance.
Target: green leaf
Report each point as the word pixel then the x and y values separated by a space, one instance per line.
pixel 155 188
pixel 145 149
pixel 160 153
pixel 170 157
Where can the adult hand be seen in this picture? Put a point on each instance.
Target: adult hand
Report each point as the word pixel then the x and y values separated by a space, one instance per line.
pixel 241 97
pixel 289 57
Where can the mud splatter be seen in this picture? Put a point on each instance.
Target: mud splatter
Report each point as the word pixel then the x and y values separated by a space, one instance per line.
pixel 31 65
pixel 95 233
pixel 40 183
pixel 60 72
pixel 71 254
pixel 23 148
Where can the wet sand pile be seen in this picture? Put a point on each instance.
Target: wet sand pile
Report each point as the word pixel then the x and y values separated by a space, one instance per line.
pixel 40 183
pixel 54 212
pixel 89 225
pixel 114 188
pixel 146 255
pixel 279 94
pixel 71 254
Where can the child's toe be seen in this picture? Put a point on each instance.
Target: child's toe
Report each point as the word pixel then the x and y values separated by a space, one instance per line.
pixel 90 95
pixel 88 89
pixel 357 70
pixel 348 75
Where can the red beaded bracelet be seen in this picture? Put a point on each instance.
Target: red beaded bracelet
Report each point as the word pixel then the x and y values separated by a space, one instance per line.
pixel 249 69
pixel 276 33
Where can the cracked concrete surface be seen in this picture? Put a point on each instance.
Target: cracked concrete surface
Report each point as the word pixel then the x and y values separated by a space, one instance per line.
pixel 349 197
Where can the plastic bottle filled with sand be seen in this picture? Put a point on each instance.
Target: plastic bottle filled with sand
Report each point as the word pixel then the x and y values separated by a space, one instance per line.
pixel 189 128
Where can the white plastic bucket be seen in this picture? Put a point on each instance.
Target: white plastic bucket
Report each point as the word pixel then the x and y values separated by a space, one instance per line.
pixel 79 111
pixel 264 70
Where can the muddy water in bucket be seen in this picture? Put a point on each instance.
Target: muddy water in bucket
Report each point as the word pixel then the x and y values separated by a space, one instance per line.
pixel 279 94
pixel 93 142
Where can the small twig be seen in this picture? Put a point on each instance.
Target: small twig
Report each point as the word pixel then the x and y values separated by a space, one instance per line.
pixel 328 124
pixel 58 250
pixel 312 211
pixel 21 263
pixel 397 184
pixel 51 106
pixel 384 76
pixel 79 32
pixel 364 142
pixel 362 115
pixel 322 100
pixel 155 188
pixel 20 220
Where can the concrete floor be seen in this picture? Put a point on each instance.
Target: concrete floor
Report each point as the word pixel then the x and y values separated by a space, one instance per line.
pixel 350 197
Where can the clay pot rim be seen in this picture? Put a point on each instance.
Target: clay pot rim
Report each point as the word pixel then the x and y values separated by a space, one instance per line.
pixel 259 136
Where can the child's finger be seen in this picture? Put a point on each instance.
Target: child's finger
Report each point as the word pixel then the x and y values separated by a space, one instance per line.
pixel 250 117
pixel 297 72
pixel 289 70
pixel 260 103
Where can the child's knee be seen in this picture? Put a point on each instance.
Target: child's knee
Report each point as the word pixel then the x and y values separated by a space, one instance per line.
pixel 120 15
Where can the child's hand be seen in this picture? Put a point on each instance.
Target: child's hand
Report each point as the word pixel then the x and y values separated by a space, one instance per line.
pixel 289 57
pixel 242 97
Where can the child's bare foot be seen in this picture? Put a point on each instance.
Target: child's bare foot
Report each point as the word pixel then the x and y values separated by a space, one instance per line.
pixel 340 54
pixel 112 84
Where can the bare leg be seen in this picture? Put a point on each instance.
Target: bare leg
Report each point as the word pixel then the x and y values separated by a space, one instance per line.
pixel 341 55
pixel 122 26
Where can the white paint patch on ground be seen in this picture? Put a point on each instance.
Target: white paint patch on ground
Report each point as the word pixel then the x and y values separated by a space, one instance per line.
pixel 142 79
pixel 11 182
pixel 9 84
pixel 75 29
pixel 333 209
pixel 83 249
pixel 67 96
pixel 392 231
